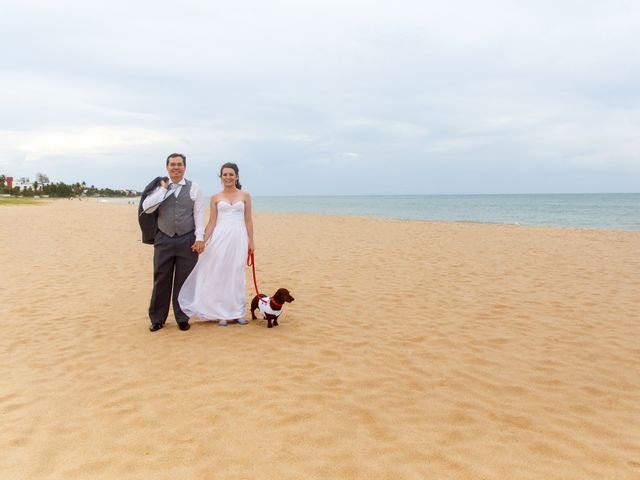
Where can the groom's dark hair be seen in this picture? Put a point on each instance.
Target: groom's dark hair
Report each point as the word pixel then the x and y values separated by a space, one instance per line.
pixel 184 159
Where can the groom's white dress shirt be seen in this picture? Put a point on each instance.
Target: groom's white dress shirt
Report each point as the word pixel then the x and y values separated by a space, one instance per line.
pixel 153 201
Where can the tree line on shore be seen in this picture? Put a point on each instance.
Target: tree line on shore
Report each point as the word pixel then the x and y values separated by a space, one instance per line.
pixel 63 190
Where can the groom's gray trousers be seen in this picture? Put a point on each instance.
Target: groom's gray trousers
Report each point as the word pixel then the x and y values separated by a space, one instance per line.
pixel 173 261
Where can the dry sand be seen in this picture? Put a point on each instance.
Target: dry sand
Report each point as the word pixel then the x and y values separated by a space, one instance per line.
pixel 413 351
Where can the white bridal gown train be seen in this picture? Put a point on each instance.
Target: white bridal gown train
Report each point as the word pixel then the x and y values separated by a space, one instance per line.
pixel 215 289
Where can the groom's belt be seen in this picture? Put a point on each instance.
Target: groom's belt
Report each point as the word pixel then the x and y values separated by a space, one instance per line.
pixel 175 235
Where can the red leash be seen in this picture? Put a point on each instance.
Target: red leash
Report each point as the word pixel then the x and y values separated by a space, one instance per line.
pixel 252 263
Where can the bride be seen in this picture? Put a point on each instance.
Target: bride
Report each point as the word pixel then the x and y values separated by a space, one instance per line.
pixel 215 289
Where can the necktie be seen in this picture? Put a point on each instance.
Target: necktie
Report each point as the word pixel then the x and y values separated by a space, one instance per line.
pixel 170 189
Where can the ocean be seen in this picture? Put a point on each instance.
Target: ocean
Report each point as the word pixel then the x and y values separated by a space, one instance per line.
pixel 612 211
pixel 617 211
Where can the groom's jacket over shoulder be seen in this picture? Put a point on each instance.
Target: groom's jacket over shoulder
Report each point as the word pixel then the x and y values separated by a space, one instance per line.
pixel 148 223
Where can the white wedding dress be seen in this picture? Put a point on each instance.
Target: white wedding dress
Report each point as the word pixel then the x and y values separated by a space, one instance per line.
pixel 215 289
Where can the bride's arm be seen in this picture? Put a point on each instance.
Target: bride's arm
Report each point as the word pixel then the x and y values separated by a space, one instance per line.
pixel 213 217
pixel 248 220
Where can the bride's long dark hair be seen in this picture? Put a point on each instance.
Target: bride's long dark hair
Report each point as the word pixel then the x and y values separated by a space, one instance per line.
pixel 235 168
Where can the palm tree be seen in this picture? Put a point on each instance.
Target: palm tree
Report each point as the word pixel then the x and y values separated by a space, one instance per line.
pixel 76 188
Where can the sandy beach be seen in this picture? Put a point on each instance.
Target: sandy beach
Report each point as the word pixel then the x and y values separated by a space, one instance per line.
pixel 414 350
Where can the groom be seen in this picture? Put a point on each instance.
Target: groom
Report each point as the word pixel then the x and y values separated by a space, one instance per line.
pixel 178 242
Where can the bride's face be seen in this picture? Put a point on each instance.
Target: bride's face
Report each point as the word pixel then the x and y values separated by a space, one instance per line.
pixel 228 176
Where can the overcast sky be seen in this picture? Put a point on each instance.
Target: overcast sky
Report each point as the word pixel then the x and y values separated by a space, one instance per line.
pixel 325 97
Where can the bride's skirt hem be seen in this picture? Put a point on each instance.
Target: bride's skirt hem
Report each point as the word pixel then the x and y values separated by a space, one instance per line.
pixel 195 317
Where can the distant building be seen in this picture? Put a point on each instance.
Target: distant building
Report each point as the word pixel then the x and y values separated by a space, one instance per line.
pixel 23 183
pixel 10 182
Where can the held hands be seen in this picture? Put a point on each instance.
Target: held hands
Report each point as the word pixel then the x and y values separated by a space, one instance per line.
pixel 198 246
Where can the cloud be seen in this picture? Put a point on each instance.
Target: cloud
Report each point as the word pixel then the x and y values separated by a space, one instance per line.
pixel 447 92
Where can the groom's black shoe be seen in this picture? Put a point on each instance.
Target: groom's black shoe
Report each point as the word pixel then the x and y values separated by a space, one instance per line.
pixel 184 326
pixel 155 327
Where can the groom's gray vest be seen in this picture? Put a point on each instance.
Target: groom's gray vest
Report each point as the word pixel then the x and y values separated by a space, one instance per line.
pixel 175 215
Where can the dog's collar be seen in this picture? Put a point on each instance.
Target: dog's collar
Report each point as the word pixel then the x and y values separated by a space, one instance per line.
pixel 276 304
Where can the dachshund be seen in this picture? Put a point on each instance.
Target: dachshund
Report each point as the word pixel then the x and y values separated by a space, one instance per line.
pixel 271 307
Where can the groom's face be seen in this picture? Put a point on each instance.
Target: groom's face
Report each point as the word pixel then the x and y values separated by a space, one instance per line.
pixel 175 169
